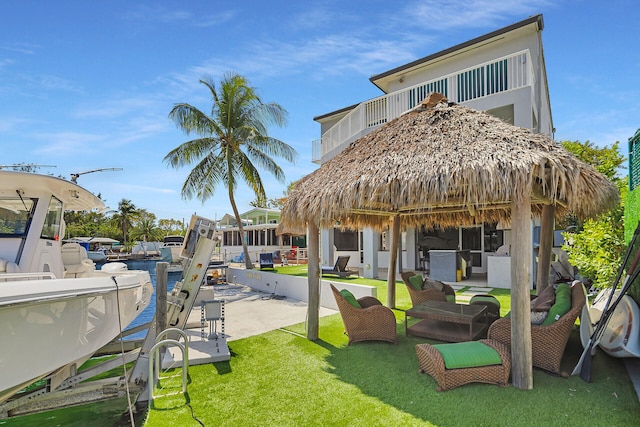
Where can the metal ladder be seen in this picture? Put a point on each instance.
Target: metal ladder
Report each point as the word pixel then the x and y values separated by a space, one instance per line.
pixel 155 362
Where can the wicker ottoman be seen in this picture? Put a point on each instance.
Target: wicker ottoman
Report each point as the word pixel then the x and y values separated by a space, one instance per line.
pixel 432 363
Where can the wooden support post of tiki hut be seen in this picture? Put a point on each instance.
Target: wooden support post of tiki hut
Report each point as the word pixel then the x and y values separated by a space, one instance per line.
pixel 313 309
pixel 393 258
pixel 521 357
pixel 546 246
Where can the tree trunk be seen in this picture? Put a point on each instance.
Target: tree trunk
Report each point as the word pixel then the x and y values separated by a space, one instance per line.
pixel 545 249
pixel 247 261
pixel 521 358
pixel 313 277
pixel 393 258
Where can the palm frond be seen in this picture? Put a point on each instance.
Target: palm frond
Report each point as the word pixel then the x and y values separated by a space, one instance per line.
pixel 262 160
pixel 191 151
pixel 234 140
pixel 190 119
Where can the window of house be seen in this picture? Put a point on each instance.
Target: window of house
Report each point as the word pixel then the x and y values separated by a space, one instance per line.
pixel 299 241
pixel 346 240
pixel 385 240
pixel 493 238
pixel 272 239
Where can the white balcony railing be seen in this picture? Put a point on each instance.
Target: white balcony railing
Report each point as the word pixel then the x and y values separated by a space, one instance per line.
pixel 499 75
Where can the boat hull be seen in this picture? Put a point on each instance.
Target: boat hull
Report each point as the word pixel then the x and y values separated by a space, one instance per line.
pixel 621 337
pixel 60 322
pixel 97 256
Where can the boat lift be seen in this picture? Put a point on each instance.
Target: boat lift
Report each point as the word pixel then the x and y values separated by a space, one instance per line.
pixel 198 248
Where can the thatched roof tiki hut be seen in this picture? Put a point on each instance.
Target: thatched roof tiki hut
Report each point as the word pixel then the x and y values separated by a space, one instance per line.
pixel 443 164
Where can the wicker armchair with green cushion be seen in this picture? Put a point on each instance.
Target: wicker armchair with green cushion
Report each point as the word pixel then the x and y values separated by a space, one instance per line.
pixel 370 322
pixel 418 295
pixel 548 341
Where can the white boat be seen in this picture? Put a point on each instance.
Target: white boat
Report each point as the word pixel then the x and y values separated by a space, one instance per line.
pixel 171 249
pixel 97 247
pixel 99 255
pixel 621 336
pixel 56 309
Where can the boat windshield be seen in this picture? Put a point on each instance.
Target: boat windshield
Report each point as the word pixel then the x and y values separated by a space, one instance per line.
pixel 15 215
pixel 51 229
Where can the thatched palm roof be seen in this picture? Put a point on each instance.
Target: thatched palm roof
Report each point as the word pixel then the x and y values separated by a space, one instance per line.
pixel 445 165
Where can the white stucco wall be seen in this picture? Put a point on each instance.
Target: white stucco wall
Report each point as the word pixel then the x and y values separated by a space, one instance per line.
pixel 294 287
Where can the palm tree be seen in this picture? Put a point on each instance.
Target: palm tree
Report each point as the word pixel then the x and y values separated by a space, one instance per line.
pixel 233 142
pixel 145 227
pixel 124 216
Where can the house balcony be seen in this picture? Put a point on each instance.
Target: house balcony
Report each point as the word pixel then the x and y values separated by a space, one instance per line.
pixel 504 74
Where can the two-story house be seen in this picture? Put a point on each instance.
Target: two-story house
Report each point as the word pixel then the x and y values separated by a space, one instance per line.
pixel 259 226
pixel 503 73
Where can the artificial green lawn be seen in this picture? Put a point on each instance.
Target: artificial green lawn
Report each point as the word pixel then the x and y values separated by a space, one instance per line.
pixel 282 379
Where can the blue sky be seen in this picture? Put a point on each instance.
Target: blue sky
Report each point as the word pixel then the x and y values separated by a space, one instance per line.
pixel 87 84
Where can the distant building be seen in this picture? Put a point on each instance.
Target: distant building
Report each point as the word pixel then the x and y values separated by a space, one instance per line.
pixel 259 226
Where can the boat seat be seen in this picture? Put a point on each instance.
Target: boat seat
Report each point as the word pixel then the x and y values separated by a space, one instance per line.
pixel 76 261
pixel 8 266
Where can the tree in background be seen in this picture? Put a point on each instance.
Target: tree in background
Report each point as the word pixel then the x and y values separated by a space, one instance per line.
pixel 275 203
pixel 124 217
pixel 145 228
pixel 172 227
pixel 91 224
pixel 597 246
pixel 233 144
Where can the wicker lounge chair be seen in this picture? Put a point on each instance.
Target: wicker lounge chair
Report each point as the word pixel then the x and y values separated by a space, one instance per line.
pixel 372 322
pixel 340 268
pixel 548 342
pixel 418 296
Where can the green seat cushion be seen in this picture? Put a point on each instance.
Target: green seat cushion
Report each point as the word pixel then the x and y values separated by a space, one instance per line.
pixel 484 298
pixel 350 298
pixel 562 304
pixel 416 282
pixel 468 355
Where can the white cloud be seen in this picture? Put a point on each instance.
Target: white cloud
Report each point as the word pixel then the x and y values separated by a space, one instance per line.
pixel 65 144
pixel 117 107
pixel 163 15
pixel 344 43
pixel 24 48
pixel 446 15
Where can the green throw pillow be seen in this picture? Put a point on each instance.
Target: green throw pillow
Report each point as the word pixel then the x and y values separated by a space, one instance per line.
pixel 468 354
pixel 562 304
pixel 350 298
pixel 416 282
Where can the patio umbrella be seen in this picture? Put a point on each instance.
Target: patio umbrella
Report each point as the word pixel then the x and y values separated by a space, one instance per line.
pixel 443 164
